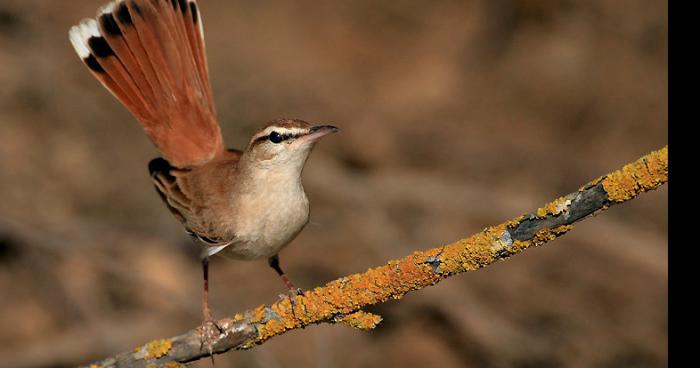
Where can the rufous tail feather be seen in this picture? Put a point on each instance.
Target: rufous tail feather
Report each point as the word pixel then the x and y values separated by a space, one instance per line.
pixel 150 55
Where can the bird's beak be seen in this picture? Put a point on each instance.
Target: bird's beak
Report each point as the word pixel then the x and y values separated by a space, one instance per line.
pixel 319 131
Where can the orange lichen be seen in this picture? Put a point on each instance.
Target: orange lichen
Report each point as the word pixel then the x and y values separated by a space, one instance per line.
pixel 360 320
pixel 555 207
pixel 541 237
pixel 544 236
pixel 157 348
pixel 347 295
pixel 645 174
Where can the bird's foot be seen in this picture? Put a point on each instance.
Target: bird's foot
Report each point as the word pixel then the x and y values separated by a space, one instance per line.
pixel 291 294
pixel 210 332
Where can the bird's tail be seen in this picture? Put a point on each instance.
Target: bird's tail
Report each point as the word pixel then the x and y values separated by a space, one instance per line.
pixel 150 55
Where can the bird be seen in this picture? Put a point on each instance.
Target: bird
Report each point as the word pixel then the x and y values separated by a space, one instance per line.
pixel 247 204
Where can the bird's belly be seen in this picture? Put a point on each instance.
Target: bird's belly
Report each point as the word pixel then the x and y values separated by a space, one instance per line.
pixel 274 226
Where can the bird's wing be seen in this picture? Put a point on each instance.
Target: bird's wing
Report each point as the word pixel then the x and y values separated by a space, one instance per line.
pixel 186 198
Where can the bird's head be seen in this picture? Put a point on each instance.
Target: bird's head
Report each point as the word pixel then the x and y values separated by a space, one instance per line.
pixel 284 143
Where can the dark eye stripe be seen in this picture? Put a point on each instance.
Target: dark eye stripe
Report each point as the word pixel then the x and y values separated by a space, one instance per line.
pixel 260 140
pixel 284 137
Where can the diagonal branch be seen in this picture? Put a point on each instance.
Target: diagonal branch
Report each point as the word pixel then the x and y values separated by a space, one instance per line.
pixel 341 300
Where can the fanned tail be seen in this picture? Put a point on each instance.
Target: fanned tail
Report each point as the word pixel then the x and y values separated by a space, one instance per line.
pixel 150 55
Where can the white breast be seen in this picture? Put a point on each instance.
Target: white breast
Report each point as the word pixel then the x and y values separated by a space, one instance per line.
pixel 272 219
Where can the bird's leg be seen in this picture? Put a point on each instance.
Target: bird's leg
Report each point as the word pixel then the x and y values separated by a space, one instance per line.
pixel 206 311
pixel 210 330
pixel 293 291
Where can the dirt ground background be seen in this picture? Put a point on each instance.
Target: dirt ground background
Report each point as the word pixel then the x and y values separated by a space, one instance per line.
pixel 455 115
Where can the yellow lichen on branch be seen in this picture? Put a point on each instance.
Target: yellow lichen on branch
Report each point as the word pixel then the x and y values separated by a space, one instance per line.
pixel 155 349
pixel 392 281
pixel 553 208
pixel 360 320
pixel 647 173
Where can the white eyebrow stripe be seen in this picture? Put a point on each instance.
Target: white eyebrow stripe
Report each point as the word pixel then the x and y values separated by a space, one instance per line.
pixel 281 131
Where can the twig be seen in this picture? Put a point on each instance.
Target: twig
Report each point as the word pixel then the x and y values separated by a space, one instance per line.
pixel 341 300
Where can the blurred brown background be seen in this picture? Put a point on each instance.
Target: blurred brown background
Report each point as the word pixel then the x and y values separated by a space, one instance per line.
pixel 455 115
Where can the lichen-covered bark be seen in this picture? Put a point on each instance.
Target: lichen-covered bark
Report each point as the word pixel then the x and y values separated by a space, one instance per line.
pixel 342 300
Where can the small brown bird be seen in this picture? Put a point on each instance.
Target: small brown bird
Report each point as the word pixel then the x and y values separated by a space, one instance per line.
pixel 248 204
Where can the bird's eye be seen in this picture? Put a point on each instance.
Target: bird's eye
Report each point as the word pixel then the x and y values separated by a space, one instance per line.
pixel 276 137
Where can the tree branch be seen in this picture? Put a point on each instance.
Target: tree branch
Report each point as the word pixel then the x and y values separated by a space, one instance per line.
pixel 341 300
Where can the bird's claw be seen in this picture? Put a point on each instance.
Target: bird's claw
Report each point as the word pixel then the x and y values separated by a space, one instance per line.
pixel 291 294
pixel 210 332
